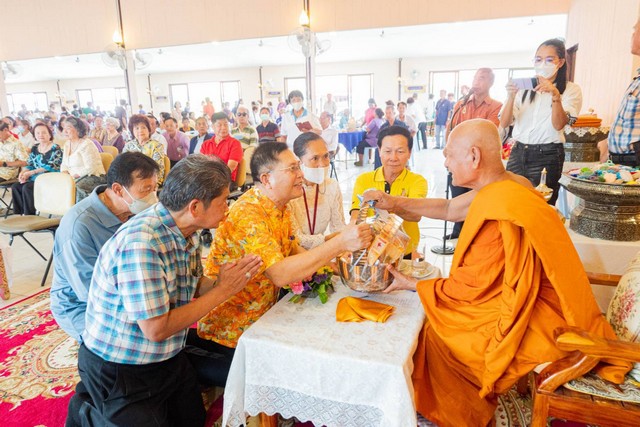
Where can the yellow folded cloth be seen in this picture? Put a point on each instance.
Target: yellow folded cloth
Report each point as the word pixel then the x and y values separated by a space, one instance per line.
pixel 351 309
pixel 587 121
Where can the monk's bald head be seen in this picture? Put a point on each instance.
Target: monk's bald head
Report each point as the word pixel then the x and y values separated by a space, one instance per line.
pixel 473 151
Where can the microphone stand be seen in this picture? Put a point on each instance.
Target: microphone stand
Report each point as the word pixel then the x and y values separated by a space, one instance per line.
pixel 444 249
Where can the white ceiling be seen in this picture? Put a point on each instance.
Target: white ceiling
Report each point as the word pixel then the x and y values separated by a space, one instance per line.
pixel 436 40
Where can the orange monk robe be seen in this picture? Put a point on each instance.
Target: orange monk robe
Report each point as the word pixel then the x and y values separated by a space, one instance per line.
pixel 515 278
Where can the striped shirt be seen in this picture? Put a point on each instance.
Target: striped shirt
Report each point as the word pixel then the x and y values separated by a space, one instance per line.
pixel 146 269
pixel 625 129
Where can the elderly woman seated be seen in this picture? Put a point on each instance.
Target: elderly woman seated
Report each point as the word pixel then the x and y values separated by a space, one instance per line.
pixel 395 144
pixel 140 128
pixel 320 207
pixel 260 223
pixel 45 156
pixel 112 137
pixel 81 158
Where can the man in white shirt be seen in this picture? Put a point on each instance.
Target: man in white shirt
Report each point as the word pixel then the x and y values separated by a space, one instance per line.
pixel 298 120
pixel 329 133
pixel 330 106
pixel 415 110
pixel 155 133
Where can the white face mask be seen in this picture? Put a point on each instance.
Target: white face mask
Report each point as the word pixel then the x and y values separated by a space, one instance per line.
pixel 315 175
pixel 138 205
pixel 296 106
pixel 545 70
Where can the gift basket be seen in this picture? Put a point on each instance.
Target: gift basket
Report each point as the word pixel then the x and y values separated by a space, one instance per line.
pixel 366 270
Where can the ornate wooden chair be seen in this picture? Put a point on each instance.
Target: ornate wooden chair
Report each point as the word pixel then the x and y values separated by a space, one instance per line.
pixel 552 398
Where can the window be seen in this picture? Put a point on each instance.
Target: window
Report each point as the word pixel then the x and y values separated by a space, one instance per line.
pixel 122 93
pixel 32 100
pixel 230 92
pixel 294 83
pixel 337 86
pixel 11 106
pixel 84 96
pixel 199 91
pixel 179 93
pixel 444 80
pixel 360 90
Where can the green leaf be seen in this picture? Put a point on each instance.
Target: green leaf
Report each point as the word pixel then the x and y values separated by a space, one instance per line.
pixel 323 298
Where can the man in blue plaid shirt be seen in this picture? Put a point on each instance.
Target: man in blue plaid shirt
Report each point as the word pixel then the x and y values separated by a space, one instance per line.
pixel 624 136
pixel 141 304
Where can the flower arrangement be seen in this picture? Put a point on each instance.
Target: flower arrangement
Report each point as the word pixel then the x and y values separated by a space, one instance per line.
pixel 318 285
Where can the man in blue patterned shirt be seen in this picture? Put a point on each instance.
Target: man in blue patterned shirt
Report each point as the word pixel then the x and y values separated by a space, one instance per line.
pixel 624 136
pixel 141 304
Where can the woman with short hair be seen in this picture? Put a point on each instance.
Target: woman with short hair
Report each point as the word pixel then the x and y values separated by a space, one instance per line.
pixel 141 130
pixel 81 159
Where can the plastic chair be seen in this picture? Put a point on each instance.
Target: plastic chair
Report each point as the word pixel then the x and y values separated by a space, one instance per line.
pixel 106 158
pixel 111 150
pixel 54 194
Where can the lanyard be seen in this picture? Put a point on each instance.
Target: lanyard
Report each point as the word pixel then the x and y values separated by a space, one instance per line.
pixel 312 227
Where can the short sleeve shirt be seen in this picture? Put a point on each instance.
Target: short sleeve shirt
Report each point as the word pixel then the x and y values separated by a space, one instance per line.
pixel 145 270
pixel 255 225
pixel 227 149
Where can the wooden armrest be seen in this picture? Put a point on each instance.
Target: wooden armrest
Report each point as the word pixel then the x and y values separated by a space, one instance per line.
pixel 572 338
pixel 564 370
pixel 603 279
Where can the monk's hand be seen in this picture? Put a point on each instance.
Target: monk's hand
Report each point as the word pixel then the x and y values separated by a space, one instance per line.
pixel 400 281
pixel 234 275
pixel 356 236
pixel 382 199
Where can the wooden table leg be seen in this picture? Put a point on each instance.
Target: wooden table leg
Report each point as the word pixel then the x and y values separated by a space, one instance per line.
pixel 268 420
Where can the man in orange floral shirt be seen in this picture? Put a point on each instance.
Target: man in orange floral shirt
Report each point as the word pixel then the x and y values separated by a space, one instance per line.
pixel 259 223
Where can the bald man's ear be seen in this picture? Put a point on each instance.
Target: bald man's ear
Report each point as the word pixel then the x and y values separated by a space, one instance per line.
pixel 476 156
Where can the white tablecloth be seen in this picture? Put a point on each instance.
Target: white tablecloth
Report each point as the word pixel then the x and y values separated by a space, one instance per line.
pixel 297 360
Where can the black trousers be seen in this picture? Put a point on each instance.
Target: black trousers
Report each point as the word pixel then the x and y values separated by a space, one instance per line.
pixel 361 146
pixel 157 394
pixel 210 360
pixel 22 196
pixel 528 160
pixel 422 130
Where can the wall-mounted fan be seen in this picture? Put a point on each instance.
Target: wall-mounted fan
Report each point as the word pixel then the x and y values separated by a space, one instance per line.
pixel 299 40
pixel 113 56
pixel 11 71
pixel 143 60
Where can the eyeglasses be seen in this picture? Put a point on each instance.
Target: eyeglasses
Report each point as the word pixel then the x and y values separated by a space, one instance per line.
pixel 241 114
pixel 292 169
pixel 548 60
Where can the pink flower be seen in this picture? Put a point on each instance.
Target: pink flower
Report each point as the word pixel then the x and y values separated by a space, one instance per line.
pixel 297 288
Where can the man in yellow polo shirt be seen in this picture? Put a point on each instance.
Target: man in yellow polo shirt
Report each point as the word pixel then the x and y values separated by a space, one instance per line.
pixel 395 144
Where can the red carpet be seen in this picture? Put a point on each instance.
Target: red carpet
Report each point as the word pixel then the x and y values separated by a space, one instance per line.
pixel 38 368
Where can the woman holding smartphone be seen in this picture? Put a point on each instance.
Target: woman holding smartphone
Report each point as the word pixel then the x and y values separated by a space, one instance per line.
pixel 539 115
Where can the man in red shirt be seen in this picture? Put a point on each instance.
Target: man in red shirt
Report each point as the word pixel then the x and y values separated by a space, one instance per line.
pixel 222 145
pixel 476 104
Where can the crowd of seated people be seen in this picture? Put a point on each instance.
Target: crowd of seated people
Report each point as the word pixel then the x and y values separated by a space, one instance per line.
pixel 138 280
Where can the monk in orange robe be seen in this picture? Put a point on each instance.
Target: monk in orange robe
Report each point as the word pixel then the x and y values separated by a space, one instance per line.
pixel 515 278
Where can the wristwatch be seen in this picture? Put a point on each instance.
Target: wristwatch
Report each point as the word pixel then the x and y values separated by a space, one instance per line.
pixel 4 164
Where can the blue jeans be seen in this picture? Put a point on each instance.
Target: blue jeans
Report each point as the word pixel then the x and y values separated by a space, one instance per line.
pixel 528 160
pixel 440 134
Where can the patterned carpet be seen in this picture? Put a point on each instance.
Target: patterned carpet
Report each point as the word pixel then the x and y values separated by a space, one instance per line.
pixel 38 373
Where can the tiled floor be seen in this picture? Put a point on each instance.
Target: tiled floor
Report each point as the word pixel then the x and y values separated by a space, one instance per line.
pixel 28 267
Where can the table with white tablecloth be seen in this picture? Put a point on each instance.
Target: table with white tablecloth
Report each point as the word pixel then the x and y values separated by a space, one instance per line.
pixel 297 360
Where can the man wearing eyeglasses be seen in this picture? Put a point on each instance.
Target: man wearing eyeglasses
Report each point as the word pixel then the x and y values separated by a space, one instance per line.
pixel 260 223
pixel 223 145
pixel 245 133
pixel 624 136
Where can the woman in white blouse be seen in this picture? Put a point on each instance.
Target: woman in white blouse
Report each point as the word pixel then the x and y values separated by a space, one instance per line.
pixel 318 215
pixel 81 159
pixel 539 116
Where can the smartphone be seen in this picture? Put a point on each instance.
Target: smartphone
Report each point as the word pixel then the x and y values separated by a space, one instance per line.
pixel 527 83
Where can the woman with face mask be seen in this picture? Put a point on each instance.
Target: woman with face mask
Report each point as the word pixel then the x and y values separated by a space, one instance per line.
pixel 319 214
pixel 539 115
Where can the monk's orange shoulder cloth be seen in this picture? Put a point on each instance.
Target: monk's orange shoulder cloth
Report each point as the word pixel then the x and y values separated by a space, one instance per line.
pixel 515 277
